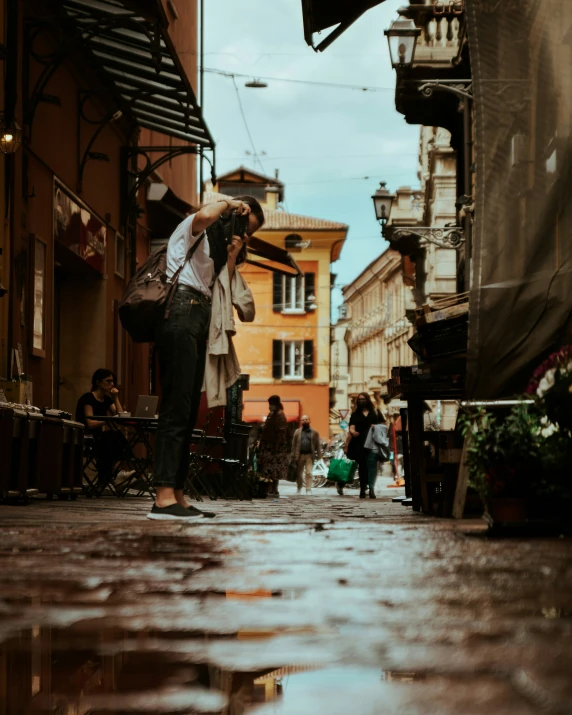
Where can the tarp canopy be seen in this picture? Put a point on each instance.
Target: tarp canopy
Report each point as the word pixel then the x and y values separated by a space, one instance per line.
pixel 276 259
pixel 130 45
pixel 521 297
pixel 257 410
pixel 322 14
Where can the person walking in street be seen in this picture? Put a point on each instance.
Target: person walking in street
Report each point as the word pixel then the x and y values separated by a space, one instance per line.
pixel 363 417
pixel 182 340
pixel 377 447
pixel 306 448
pixel 273 450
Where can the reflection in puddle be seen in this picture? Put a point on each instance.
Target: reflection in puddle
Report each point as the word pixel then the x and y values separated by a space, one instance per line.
pixel 72 671
pixel 77 671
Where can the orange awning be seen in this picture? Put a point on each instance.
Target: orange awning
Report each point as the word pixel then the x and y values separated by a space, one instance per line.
pixel 256 410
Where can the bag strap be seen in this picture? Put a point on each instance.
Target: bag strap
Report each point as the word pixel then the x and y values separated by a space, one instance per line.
pixel 175 278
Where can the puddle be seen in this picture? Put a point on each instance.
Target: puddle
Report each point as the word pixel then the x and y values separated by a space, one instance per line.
pixel 74 671
pixel 78 670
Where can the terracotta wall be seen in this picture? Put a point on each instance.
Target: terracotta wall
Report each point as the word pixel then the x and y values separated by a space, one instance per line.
pixel 88 323
pixel 314 399
pixel 180 174
pixel 253 341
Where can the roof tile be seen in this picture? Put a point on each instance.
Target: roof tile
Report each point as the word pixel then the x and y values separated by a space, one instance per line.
pixel 278 220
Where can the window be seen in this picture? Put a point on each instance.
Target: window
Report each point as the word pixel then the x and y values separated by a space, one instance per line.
pixel 237 189
pixel 293 359
pixel 38 296
pixel 293 293
pixel 293 241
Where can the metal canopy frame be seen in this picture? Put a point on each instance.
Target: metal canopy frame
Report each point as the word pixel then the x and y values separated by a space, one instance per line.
pixel 139 63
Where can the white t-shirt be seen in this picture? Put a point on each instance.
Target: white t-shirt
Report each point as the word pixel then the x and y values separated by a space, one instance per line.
pixel 199 272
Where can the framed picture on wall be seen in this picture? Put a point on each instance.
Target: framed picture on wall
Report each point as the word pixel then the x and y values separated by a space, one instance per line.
pixel 38 254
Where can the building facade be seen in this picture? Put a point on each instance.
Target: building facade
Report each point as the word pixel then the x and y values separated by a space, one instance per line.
pixel 378 329
pixel 340 371
pixel 286 351
pixel 100 132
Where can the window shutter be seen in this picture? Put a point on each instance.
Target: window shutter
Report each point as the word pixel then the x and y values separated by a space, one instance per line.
pixel 308 359
pixel 309 287
pixel 276 359
pixel 277 300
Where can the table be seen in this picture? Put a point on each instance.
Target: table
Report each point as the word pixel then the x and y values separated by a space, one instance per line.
pixel 140 431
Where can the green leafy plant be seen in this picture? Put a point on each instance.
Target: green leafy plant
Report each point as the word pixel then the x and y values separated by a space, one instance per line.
pixel 503 455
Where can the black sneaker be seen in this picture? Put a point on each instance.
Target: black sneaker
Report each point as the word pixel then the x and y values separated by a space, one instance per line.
pixel 174 512
pixel 205 514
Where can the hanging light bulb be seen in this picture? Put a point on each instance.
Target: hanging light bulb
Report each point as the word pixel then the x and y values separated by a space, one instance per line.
pixel 10 137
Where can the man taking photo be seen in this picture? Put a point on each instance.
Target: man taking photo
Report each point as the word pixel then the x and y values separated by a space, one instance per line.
pixel 306 448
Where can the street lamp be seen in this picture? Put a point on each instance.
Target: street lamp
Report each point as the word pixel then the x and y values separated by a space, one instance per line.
pixel 402 38
pixel 382 202
pixel 256 84
pixel 10 136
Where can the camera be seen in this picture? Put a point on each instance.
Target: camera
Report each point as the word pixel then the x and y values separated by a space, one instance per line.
pixel 239 224
pixel 234 225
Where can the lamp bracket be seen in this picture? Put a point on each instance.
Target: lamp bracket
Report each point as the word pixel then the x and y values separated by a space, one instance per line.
pixel 462 88
pixel 139 176
pixel 444 237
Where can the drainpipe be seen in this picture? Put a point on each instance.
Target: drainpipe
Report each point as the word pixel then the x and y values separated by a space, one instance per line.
pixel 10 100
pixel 202 94
pixel 467 222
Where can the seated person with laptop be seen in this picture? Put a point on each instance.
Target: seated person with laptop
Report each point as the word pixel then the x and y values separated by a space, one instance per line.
pixel 110 446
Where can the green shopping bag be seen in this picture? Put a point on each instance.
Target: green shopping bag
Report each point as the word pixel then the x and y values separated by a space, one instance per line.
pixel 342 470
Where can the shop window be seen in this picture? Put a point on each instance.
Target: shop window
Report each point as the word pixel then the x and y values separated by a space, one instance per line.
pixel 293 359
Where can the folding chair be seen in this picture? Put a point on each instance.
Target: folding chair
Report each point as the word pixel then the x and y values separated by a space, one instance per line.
pixel 94 486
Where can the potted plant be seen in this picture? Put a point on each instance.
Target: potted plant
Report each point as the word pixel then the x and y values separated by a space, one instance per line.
pixel 551 389
pixel 502 457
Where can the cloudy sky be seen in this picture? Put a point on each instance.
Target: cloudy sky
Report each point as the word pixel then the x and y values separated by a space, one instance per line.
pixel 331 145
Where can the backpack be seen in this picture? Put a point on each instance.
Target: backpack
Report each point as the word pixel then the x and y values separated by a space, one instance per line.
pixel 148 296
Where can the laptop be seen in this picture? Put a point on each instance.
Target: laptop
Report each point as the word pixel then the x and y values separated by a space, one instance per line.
pixel 146 406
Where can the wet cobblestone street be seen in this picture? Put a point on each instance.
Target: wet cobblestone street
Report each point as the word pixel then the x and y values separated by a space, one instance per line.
pixel 306 605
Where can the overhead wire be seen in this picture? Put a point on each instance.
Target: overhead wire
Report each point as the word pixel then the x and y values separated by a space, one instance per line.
pixel 247 127
pixel 316 83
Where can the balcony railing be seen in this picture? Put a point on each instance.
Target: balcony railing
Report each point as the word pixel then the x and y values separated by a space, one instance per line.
pixel 442 30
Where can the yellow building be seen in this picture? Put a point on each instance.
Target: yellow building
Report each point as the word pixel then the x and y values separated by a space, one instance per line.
pixel 286 351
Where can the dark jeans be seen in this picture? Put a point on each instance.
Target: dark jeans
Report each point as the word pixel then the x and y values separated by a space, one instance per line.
pixel 364 469
pixel 182 348
pixel 372 462
pixel 109 447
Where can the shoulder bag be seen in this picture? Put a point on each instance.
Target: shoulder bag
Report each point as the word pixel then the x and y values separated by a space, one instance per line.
pixel 149 294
